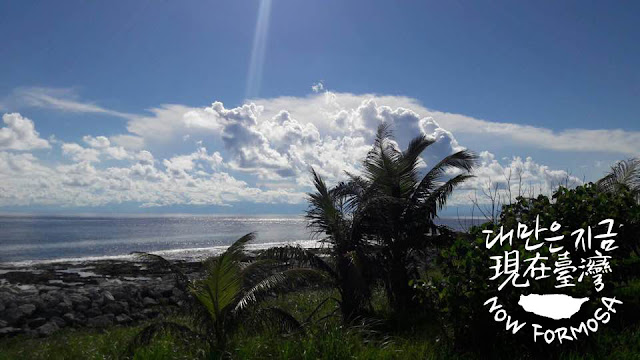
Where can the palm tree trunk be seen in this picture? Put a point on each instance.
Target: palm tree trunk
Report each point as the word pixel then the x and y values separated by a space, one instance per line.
pixel 399 292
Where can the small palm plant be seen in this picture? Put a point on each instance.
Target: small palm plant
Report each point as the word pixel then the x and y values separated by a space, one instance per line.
pixel 228 295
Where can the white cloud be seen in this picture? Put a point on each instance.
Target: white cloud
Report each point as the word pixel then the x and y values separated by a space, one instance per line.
pixel 322 109
pixel 333 111
pixel 57 99
pixel 130 142
pixel 79 153
pixel 262 151
pixel 170 122
pixel 98 142
pixel 20 134
pixel 601 140
pixel 510 178
pixel 180 166
pixel 24 180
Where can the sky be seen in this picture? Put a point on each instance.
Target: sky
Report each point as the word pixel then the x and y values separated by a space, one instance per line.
pixel 222 107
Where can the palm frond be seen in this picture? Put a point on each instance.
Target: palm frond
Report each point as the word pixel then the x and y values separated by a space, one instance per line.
pixel 258 269
pixel 410 159
pixel 322 214
pixel 624 173
pixel 239 246
pixel 464 160
pixel 279 282
pixel 182 280
pixel 275 317
pixel 298 257
pixel 438 198
pixel 222 286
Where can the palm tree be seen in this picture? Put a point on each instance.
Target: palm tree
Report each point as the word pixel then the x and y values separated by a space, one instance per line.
pixel 625 173
pixel 398 205
pixel 229 293
pixel 344 268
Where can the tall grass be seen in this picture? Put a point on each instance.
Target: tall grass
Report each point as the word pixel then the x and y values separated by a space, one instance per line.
pixel 326 339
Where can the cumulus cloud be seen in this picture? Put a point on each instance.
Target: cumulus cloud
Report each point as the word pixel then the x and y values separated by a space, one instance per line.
pixel 168 122
pixel 79 153
pixel 180 166
pixel 331 110
pixel 99 142
pixel 323 108
pixel 130 142
pixel 510 178
pixel 20 134
pixel 192 179
pixel 262 151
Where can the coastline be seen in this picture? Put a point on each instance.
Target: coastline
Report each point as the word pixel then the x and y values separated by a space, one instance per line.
pixel 180 254
pixel 38 298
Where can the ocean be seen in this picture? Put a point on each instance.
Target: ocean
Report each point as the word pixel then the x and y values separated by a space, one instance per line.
pixel 29 239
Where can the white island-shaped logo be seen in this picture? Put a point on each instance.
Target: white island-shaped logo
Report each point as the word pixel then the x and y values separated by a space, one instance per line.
pixel 553 306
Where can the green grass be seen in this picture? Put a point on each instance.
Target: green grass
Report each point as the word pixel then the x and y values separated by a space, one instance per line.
pixel 326 339
pixel 94 344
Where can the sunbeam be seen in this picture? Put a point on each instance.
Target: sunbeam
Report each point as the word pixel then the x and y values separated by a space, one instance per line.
pixel 258 51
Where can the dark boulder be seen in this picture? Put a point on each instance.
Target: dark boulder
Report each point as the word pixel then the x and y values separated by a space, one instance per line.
pixel 47 329
pixel 101 321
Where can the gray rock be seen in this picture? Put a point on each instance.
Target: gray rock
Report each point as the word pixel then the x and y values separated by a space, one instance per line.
pixel 58 321
pixel 101 321
pixel 93 312
pixel 70 318
pixel 150 313
pixel 113 308
pixel 149 302
pixel 177 292
pixel 47 329
pixel 125 305
pixel 13 316
pixel 165 290
pixel 97 302
pixel 27 309
pixel 79 300
pixel 37 322
pixel 123 319
pixel 108 297
pixel 10 331
pixel 64 307
pixel 50 312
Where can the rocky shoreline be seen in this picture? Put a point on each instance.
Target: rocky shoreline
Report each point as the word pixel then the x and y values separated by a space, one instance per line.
pixel 41 299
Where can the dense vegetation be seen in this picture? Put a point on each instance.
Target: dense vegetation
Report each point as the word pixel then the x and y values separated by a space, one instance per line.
pixel 389 284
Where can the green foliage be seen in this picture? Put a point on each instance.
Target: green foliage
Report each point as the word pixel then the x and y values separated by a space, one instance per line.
pixel 228 295
pixel 581 207
pixel 461 283
pixel 380 223
pixel 327 215
pixel 323 340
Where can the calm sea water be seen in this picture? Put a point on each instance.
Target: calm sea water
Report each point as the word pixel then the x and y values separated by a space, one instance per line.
pixel 37 238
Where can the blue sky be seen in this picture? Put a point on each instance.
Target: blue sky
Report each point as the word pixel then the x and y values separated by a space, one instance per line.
pixel 494 76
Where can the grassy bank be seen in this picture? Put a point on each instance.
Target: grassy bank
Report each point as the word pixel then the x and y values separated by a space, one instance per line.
pixel 326 338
